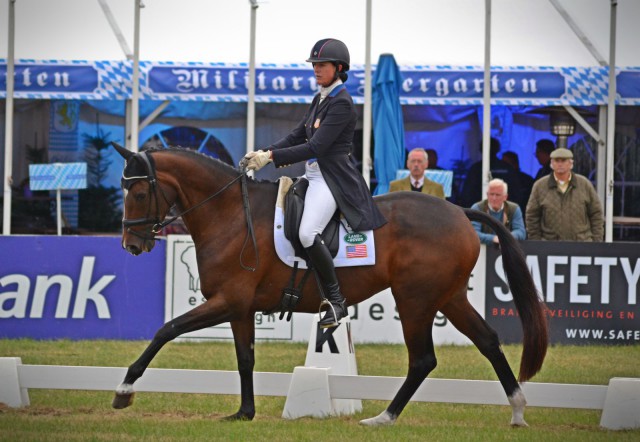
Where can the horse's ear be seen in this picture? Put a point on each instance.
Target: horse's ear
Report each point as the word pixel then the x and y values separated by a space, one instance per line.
pixel 123 151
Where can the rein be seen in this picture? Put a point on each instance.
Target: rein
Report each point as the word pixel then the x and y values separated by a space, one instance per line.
pixel 158 225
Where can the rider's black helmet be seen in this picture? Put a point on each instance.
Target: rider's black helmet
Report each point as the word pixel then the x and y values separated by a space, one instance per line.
pixel 330 49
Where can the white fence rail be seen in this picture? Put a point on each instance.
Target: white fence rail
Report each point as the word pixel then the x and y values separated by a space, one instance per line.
pixel 16 379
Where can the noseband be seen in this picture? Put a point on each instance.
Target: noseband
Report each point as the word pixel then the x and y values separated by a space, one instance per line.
pixel 157 224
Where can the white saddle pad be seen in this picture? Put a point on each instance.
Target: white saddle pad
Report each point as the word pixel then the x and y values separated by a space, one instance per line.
pixel 355 248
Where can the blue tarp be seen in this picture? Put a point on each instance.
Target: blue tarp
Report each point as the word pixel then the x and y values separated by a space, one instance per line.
pixel 388 126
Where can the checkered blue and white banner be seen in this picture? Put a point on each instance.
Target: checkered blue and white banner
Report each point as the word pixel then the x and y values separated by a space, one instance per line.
pixel 58 176
pixel 295 83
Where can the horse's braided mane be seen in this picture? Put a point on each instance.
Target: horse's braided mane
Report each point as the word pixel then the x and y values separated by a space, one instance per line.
pixel 210 162
pixel 198 156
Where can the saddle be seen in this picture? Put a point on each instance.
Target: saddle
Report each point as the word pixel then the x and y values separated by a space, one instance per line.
pixel 293 209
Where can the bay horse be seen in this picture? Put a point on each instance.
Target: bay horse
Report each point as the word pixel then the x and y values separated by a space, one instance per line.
pixel 425 254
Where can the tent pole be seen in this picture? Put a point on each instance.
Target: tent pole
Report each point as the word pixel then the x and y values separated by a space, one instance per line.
pixel 602 112
pixel 601 159
pixel 8 123
pixel 251 98
pixel 366 116
pixel 579 33
pixel 486 110
pixel 135 94
pixel 153 115
pixel 611 125
pixel 584 124
pixel 106 10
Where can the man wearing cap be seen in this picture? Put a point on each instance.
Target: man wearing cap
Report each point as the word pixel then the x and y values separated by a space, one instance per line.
pixel 564 206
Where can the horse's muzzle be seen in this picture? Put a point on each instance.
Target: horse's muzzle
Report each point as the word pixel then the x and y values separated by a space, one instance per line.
pixel 137 247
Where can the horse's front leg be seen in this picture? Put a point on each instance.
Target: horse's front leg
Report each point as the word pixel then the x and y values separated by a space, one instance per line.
pixel 244 337
pixel 205 315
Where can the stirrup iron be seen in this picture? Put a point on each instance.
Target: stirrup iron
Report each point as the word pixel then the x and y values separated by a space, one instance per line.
pixel 336 321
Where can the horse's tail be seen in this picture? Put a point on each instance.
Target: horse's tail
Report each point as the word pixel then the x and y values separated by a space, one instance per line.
pixel 525 296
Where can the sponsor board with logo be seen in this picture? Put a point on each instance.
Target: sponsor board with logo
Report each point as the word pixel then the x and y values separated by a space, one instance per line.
pixel 590 289
pixel 183 294
pixel 89 288
pixel 373 320
pixel 79 287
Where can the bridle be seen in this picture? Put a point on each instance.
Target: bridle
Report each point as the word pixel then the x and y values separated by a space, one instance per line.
pixel 157 224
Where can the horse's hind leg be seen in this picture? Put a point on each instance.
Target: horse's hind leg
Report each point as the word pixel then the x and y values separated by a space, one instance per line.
pixel 196 319
pixel 467 320
pixel 422 360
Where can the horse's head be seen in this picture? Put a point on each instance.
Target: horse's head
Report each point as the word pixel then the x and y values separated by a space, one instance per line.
pixel 145 201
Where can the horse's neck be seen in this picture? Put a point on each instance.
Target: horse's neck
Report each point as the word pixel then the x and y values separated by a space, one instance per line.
pixel 219 206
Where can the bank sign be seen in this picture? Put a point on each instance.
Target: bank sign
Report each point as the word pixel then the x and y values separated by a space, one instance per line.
pixel 590 290
pixel 54 287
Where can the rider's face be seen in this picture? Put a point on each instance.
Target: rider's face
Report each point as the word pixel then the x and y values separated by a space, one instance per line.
pixel 325 72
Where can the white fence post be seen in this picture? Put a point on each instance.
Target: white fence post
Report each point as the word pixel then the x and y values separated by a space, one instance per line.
pixel 316 389
pixel 10 391
pixel 328 349
pixel 308 394
pixel 622 404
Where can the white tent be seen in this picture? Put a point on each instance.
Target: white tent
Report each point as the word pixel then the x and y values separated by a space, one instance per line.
pixel 433 32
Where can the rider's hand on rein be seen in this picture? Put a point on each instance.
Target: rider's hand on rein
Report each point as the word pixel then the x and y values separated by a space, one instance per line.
pixel 256 160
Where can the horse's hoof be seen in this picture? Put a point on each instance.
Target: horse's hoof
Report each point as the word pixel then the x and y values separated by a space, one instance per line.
pixel 121 401
pixel 519 423
pixel 239 416
pixel 518 403
pixel 384 418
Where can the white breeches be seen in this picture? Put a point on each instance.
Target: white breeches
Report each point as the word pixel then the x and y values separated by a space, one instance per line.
pixel 319 206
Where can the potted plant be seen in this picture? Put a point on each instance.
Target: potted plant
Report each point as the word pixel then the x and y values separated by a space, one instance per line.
pixel 99 205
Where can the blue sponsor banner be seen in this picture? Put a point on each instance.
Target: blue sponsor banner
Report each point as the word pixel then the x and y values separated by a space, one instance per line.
pixel 77 287
pixel 52 78
pixel 430 85
pixel 231 82
pixel 470 85
pixel 295 83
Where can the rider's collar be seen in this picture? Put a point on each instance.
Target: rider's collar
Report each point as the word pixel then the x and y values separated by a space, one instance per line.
pixel 332 90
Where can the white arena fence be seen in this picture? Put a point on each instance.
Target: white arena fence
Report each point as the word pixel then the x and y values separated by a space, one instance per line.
pixel 620 400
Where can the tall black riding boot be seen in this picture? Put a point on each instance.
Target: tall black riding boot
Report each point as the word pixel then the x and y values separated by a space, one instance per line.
pixel 323 262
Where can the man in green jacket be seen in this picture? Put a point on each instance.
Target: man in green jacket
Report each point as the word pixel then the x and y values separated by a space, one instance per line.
pixel 564 206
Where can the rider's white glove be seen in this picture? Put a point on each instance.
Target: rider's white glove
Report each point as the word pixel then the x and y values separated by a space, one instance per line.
pixel 257 160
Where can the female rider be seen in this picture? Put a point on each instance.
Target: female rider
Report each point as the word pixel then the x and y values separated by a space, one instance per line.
pixel 323 139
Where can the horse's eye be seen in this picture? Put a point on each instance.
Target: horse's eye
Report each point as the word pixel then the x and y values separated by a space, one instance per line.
pixel 140 196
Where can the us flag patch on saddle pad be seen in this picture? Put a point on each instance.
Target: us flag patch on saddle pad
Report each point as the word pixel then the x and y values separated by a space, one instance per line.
pixel 355 249
pixel 359 251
